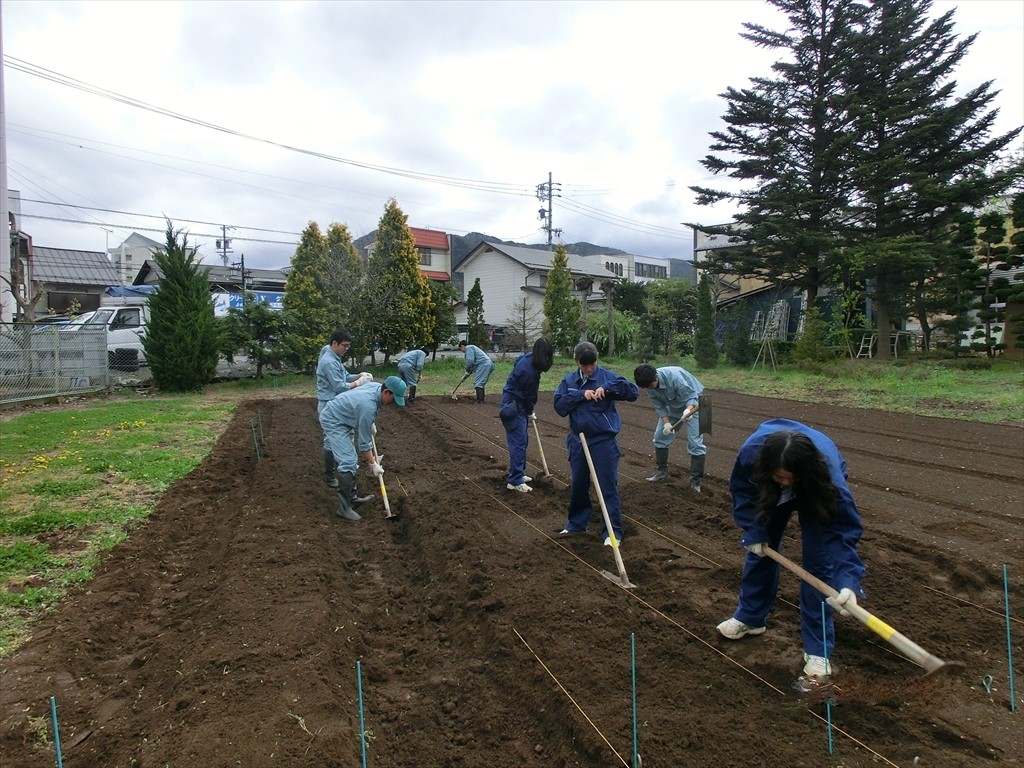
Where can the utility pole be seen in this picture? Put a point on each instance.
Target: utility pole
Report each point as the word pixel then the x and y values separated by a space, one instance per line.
pixel 545 192
pixel 224 244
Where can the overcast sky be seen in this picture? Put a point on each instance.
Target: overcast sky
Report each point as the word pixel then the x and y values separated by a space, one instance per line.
pixel 456 109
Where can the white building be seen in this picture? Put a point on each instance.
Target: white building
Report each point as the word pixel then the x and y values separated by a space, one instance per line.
pixel 510 273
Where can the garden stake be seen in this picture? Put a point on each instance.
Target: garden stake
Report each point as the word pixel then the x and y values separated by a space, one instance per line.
pixel 259 419
pixel 916 653
pixel 56 731
pixel 540 445
pixel 622 580
pixel 632 665
pixel 362 726
pixel 828 701
pixel 255 440
pixel 1009 646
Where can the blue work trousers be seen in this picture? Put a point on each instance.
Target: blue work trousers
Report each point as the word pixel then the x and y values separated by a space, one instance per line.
pixel 605 453
pixel 409 374
pixel 760 583
pixel 517 435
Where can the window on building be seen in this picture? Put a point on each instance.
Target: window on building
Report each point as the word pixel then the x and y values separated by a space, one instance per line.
pixel 425 256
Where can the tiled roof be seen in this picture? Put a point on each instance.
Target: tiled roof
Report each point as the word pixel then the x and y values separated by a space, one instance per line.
pixel 429 238
pixel 62 265
pixel 442 277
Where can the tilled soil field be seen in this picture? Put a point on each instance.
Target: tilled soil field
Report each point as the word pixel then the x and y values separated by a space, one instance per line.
pixel 240 625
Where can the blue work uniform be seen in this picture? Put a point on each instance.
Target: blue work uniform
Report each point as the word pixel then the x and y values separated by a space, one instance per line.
pixel 830 553
pixel 332 378
pixel 599 421
pixel 410 364
pixel 677 389
pixel 518 399
pixel 347 421
pixel 479 364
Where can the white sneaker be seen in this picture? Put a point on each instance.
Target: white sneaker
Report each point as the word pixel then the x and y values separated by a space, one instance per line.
pixel 734 629
pixel 522 487
pixel 607 541
pixel 817 666
pixel 527 479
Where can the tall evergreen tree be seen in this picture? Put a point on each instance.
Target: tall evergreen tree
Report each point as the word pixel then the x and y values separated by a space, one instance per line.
pixel 443 298
pixel 395 291
pixel 310 302
pixel 922 155
pixel 476 333
pixel 561 309
pixel 181 339
pixel 344 270
pixel 789 138
pixel 705 349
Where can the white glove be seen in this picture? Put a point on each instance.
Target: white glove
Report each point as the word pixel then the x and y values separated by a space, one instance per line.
pixel 376 469
pixel 688 414
pixel 757 549
pixel 667 428
pixel 532 417
pixel 364 378
pixel 846 597
pixel 373 428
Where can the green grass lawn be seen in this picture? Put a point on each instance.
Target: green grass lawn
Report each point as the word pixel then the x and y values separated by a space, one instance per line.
pixel 74 481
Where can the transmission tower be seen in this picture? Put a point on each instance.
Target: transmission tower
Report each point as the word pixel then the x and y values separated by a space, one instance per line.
pixel 545 192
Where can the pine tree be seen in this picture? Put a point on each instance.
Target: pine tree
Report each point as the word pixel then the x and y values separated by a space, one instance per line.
pixel 181 339
pixel 705 349
pixel 309 301
pixel 395 291
pixel 443 298
pixel 344 271
pixel 788 137
pixel 922 155
pixel 561 309
pixel 477 330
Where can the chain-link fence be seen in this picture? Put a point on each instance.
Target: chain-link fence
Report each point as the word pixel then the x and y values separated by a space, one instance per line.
pixel 48 359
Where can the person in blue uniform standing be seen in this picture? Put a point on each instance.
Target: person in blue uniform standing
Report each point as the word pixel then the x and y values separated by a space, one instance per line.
pixel 348 422
pixel 479 364
pixel 410 365
pixel 518 399
pixel 332 378
pixel 588 396
pixel 674 392
pixel 782 468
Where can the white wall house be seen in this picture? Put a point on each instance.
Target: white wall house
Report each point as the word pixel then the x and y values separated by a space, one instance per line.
pixel 508 273
pixel 129 256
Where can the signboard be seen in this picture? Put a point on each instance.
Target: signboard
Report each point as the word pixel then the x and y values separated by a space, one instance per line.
pixel 222 302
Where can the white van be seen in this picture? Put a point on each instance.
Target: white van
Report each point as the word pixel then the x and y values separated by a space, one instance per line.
pixel 125 320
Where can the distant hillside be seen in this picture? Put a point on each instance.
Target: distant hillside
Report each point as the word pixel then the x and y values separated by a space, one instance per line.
pixel 463 244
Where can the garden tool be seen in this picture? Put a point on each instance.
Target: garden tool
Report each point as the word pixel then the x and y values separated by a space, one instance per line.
pixel 464 377
pixel 914 652
pixel 703 413
pixel 621 579
pixel 388 514
pixel 540 445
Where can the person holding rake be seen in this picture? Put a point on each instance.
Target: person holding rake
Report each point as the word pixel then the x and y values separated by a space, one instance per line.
pixel 782 468
pixel 518 398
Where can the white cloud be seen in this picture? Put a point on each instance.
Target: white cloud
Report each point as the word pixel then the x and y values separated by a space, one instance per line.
pixel 616 99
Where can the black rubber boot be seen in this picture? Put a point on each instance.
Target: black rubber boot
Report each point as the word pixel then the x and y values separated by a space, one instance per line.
pixel 357 500
pixel 411 395
pixel 479 394
pixel 330 468
pixel 696 472
pixel 660 465
pixel 346 483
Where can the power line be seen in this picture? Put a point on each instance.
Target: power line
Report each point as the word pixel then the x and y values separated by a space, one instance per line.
pixel 155 229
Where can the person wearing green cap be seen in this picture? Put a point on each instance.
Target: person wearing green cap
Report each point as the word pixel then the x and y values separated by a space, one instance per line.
pixel 348 422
